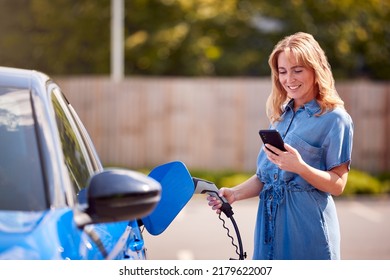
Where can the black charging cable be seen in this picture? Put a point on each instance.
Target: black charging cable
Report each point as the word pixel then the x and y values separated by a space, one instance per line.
pixel 227 209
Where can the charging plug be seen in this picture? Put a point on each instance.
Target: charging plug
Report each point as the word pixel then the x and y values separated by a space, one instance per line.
pixel 202 186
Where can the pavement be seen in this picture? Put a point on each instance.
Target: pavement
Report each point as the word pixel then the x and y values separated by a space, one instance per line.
pixel 197 233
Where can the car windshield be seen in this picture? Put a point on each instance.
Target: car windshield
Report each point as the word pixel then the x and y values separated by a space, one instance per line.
pixel 21 182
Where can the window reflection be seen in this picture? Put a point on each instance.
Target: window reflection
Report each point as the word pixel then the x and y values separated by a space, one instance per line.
pixel 72 149
pixel 21 181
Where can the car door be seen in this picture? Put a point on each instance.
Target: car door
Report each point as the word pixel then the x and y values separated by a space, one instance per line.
pixel 119 240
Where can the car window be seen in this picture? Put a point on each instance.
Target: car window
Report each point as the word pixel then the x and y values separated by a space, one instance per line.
pixel 75 153
pixel 21 178
pixel 95 160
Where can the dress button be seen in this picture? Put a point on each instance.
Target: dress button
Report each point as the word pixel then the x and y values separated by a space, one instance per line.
pixel 275 176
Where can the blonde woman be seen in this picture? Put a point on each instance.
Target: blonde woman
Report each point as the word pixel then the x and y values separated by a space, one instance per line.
pixel 297 217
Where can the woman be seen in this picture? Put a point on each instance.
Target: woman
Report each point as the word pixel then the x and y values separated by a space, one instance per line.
pixel 297 217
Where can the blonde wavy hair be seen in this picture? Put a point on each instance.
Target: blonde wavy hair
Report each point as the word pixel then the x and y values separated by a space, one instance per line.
pixel 306 51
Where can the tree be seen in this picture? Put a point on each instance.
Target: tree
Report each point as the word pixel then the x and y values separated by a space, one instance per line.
pixel 354 34
pixel 58 37
pixel 193 37
pixel 203 37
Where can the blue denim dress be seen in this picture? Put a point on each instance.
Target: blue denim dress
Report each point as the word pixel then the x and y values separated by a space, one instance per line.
pixel 294 219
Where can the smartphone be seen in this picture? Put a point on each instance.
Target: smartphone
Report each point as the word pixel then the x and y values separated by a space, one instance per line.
pixel 272 137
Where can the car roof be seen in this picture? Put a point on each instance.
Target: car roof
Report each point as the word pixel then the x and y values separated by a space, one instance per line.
pixel 21 78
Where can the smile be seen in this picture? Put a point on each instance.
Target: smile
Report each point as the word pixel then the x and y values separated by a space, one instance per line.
pixel 293 87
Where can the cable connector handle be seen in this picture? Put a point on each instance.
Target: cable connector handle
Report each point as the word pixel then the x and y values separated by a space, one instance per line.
pixel 203 186
pixel 227 209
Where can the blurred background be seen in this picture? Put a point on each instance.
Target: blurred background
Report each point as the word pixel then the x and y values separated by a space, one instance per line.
pixel 162 80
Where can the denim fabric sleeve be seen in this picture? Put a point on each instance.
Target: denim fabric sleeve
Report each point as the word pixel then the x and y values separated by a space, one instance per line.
pixel 339 140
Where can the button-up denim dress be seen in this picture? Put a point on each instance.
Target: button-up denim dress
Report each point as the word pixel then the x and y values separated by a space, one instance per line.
pixel 294 219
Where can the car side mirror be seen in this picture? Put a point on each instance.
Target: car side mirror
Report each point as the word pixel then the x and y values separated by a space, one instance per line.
pixel 119 195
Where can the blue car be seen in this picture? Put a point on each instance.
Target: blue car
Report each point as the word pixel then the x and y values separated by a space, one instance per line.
pixel 56 199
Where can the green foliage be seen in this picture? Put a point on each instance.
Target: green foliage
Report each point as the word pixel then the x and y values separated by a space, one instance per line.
pixel 385 181
pixel 222 178
pixel 57 37
pixel 360 182
pixel 233 180
pixel 354 34
pixel 192 37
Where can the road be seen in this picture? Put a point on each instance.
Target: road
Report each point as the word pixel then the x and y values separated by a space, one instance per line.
pixel 197 233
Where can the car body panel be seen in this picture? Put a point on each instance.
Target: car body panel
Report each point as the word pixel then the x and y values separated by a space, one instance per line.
pixel 53 235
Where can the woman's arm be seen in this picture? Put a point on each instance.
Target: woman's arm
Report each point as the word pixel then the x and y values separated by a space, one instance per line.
pixel 247 189
pixel 332 181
